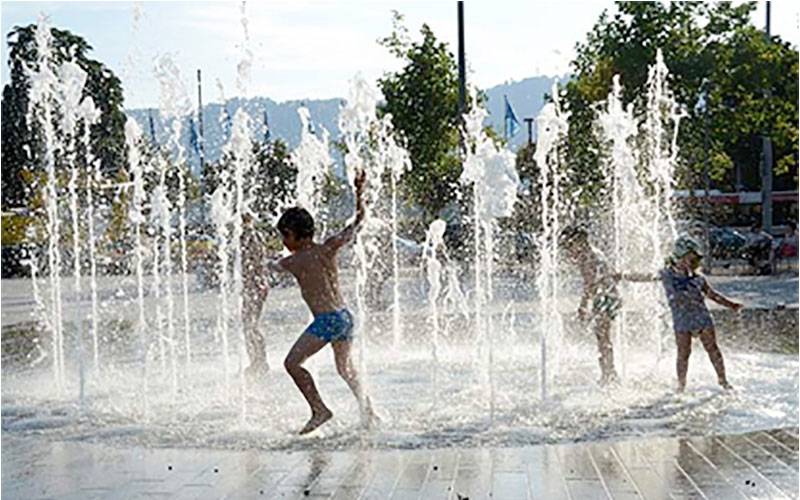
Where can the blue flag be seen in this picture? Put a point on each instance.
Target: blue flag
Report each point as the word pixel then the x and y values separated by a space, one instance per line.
pixel 511 122
pixel 226 122
pixel 266 127
pixel 152 127
pixel 193 136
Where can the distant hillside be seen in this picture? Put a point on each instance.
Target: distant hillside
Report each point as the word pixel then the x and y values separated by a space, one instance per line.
pixel 526 98
pixel 284 122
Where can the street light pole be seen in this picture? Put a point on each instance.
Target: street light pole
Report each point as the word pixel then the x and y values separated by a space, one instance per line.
pixel 707 176
pixel 529 122
pixel 462 71
pixel 766 173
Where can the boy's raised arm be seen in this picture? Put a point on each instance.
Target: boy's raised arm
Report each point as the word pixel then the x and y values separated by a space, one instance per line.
pixel 348 233
pixel 278 265
pixel 637 277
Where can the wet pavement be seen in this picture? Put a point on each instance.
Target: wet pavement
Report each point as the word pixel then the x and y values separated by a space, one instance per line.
pixel 755 465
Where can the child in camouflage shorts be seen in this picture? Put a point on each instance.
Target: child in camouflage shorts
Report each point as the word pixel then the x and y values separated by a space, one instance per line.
pixel 599 292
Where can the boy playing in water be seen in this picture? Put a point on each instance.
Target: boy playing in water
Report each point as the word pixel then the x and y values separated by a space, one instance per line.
pixel 685 289
pixel 599 291
pixel 314 266
pixel 256 288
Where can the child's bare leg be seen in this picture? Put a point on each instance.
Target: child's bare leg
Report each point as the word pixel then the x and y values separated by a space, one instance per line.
pixel 306 346
pixel 709 339
pixel 344 365
pixel 602 330
pixel 254 339
pixel 684 342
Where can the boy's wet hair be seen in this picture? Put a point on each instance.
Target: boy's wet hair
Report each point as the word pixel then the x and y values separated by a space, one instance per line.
pixel 571 235
pixel 297 220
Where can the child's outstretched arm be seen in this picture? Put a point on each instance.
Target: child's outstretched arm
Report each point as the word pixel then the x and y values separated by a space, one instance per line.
pixel 719 298
pixel 637 277
pixel 279 265
pixel 348 233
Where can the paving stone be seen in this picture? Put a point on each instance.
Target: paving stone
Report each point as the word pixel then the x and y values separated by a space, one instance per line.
pixel 754 465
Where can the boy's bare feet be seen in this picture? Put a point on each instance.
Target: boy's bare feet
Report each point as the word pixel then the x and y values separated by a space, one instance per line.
pixel 369 418
pixel 256 370
pixel 609 379
pixel 317 419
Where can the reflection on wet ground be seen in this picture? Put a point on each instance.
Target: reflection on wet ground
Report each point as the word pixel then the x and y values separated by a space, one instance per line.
pixel 761 464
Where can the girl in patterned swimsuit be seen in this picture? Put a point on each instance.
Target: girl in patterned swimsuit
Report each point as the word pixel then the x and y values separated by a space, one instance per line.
pixel 686 290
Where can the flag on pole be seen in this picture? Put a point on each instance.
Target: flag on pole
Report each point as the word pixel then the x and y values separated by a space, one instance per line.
pixel 193 136
pixel 511 122
pixel 266 127
pixel 226 122
pixel 152 127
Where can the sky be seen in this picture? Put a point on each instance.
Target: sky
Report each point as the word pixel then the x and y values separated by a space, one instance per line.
pixel 312 49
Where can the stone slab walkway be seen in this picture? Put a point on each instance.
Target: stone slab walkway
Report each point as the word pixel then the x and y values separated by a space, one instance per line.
pixel 755 465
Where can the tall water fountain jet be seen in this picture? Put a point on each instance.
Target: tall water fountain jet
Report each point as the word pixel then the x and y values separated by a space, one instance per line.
pixel 661 126
pixel 90 116
pixel 313 163
pixel 397 160
pixel 133 135
pixel 356 121
pixel 174 106
pixel 43 83
pixel 240 146
pixel 490 170
pixel 641 180
pixel 434 240
pixel 75 112
pixel 551 126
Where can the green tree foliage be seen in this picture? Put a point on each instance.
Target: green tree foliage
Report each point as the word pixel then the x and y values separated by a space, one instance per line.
pixel 275 178
pixel 752 85
pixel 21 149
pixel 422 98
pixel 270 185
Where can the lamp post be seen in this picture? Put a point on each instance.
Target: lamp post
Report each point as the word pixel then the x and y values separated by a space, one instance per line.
pixel 766 172
pixel 702 106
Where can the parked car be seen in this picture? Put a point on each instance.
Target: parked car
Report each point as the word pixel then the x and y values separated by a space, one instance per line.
pixel 724 243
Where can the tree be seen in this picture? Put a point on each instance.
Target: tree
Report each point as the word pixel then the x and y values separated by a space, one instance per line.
pixel 705 45
pixel 21 148
pixel 423 100
pixel 275 178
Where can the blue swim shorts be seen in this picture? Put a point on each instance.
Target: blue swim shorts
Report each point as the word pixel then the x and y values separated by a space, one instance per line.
pixel 332 326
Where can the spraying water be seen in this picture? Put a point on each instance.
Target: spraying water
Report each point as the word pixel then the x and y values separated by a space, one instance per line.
pixel 490 170
pixel 356 120
pixel 43 82
pixel 174 105
pixel 641 181
pixel 133 134
pixel 552 126
pixel 313 163
pixel 434 240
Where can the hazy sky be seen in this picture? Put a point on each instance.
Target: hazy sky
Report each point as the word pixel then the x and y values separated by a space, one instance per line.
pixel 311 49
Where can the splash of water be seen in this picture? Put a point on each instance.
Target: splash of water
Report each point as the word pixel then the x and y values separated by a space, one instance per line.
pixel 91 115
pixel 313 163
pixel 174 106
pixel 133 135
pixel 490 170
pixel 640 180
pixel 356 120
pixel 43 83
pixel 551 125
